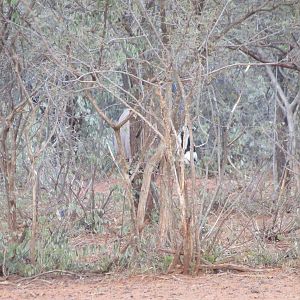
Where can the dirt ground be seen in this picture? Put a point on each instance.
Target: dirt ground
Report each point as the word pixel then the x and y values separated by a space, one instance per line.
pixel 268 285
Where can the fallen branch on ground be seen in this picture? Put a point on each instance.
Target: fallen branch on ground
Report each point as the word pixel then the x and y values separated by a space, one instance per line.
pixel 206 265
pixel 50 272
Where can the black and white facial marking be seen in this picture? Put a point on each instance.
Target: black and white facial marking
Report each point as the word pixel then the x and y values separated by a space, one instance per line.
pixel 185 142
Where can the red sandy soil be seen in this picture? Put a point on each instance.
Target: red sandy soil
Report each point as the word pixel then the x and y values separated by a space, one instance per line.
pixel 106 185
pixel 268 285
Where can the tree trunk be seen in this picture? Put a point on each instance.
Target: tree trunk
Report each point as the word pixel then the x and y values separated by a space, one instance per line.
pixel 34 229
pixel 151 164
pixel 292 147
pixel 8 166
pixel 280 160
pixel 165 213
